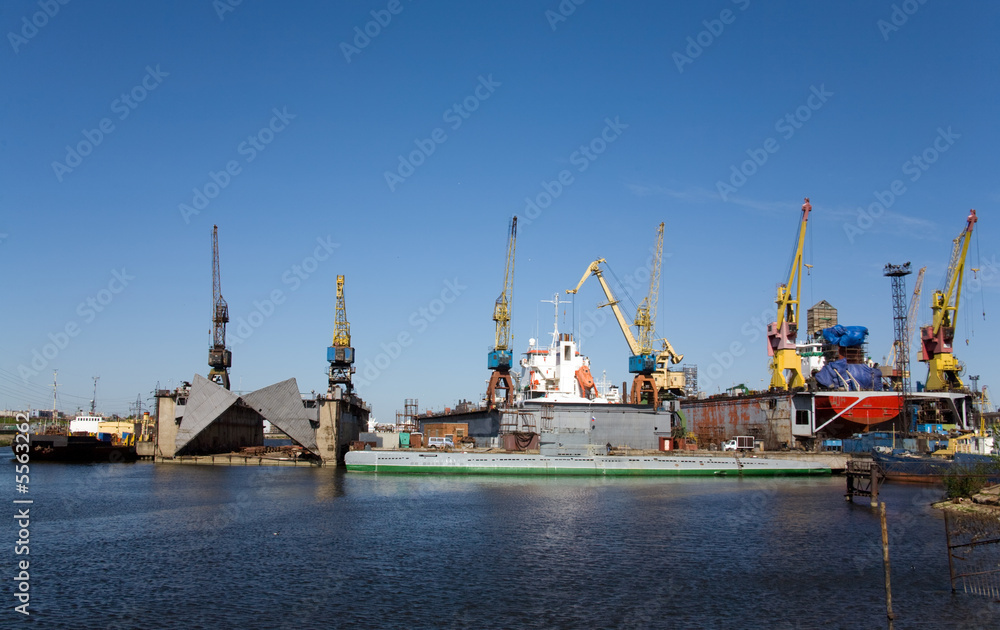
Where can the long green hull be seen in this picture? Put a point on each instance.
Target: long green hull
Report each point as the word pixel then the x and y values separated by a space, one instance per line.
pixel 403 462
pixel 470 470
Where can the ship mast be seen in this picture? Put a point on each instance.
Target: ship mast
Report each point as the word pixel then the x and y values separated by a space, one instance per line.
pixel 54 373
pixel 93 401
pixel 555 322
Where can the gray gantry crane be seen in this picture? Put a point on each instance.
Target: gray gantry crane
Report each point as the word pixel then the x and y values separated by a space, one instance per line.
pixel 220 359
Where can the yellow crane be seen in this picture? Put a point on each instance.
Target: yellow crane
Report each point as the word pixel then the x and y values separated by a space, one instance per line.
pixel 786 364
pixel 645 315
pixel 340 354
pixel 936 340
pixel 501 385
pixel 911 318
pixel 652 380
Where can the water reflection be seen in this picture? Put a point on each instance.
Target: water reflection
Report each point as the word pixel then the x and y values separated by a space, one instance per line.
pixel 294 547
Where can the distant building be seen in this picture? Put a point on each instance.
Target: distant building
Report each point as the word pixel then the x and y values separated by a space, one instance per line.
pixel 821 315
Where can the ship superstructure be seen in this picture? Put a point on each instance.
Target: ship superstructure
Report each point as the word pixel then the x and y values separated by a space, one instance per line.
pixel 557 373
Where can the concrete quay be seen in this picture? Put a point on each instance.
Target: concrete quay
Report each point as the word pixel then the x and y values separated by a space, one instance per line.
pixel 836 462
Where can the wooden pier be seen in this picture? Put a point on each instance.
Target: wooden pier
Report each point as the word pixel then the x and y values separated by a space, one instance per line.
pixel 864 476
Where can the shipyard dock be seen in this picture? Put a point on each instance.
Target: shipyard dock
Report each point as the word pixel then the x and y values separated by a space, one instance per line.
pixel 205 423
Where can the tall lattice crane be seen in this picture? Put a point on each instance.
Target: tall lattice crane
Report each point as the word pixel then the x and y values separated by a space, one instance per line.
pixel 340 354
pixel 645 315
pixel 911 316
pixel 653 300
pixel 786 364
pixel 499 360
pixel 936 340
pixel 220 359
pixel 652 380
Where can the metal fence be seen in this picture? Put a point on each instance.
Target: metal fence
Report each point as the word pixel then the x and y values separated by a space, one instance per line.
pixel 973 552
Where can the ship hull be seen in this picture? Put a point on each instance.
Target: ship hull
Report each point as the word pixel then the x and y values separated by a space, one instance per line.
pixel 912 468
pixel 864 409
pixel 78 448
pixel 373 461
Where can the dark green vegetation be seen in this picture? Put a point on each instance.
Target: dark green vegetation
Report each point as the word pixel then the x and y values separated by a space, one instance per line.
pixel 965 481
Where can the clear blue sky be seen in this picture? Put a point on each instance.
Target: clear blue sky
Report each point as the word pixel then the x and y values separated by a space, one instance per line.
pixel 309 117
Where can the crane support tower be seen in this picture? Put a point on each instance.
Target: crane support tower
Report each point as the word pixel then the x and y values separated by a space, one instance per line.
pixel 786 364
pixel 220 359
pixel 936 340
pixel 911 323
pixel 653 381
pixel 499 360
pixel 340 354
pixel 901 330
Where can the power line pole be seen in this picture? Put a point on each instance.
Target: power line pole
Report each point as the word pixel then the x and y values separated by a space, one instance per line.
pixel 54 373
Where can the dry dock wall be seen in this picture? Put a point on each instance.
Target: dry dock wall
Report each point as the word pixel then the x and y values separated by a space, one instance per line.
pixel 767 417
pixel 166 425
pixel 227 423
pixel 619 425
pixel 236 428
pixel 341 422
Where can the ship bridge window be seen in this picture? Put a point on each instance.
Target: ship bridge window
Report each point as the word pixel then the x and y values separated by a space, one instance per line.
pixel 568 353
pixel 802 417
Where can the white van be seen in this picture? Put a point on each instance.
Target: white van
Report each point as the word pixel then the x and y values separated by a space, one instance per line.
pixel 440 442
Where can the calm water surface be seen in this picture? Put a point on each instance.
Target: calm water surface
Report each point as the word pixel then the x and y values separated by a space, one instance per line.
pixel 166 546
